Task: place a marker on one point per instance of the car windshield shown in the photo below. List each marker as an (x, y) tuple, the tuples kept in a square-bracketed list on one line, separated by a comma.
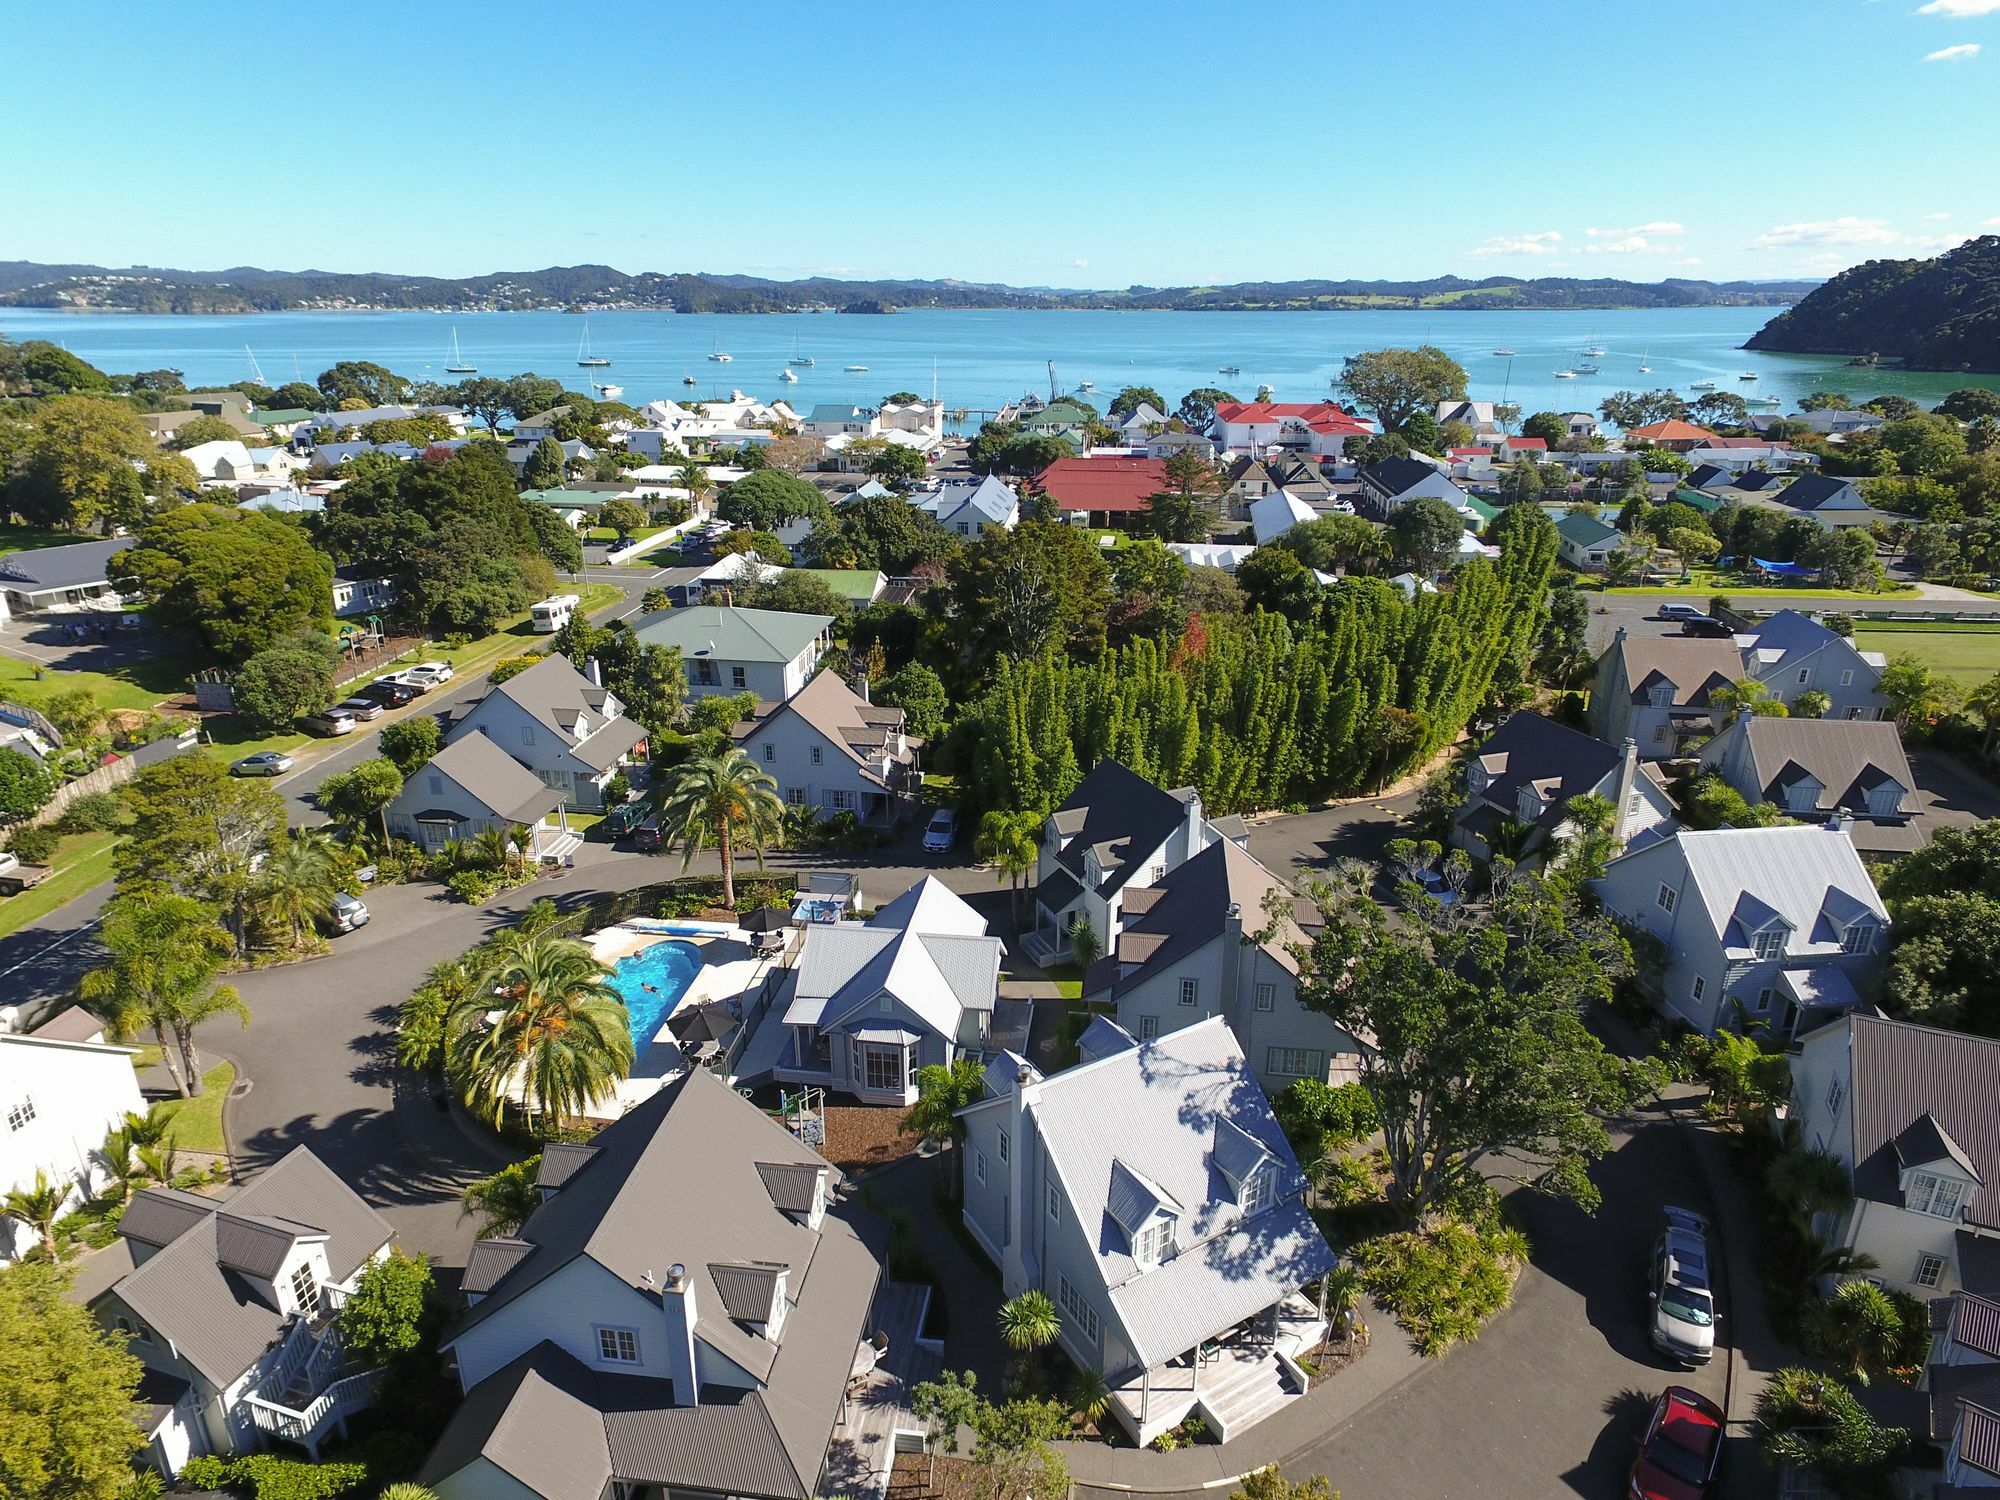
[(1670, 1457), (1688, 1306), (940, 822)]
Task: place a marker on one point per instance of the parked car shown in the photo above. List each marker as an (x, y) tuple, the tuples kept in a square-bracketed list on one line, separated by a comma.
[(1437, 887), (1702, 625), (1681, 1317), (1681, 1450), (391, 691), (331, 722), (263, 763), (623, 818), (348, 913), (365, 709), (428, 673), (1679, 612), (647, 837), (942, 831), (16, 877)]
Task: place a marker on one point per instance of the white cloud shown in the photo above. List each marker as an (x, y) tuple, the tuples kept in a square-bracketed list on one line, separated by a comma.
[(1958, 10), (1079, 263), (1846, 230), (1690, 260), (1936, 218), (1963, 52), (1548, 242), (1936, 241), (1658, 226), (1992, 223)]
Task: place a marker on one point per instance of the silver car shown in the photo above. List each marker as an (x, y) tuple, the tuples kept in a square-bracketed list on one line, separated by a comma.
[(263, 763), (348, 912)]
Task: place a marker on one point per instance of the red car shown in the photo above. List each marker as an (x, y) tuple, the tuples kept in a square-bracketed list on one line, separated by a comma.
[(1681, 1449)]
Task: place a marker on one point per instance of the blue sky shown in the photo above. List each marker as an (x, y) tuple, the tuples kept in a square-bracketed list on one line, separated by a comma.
[(1101, 146)]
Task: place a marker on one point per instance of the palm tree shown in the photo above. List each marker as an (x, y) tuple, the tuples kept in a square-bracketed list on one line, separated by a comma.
[(115, 1156), (1745, 693), (1861, 1325), (405, 1491), (1011, 843), (37, 1207), (562, 1036), (489, 848), (299, 882), (1028, 1322), (694, 479), (504, 1200), (942, 1091), (1090, 1395), (1983, 703), (1509, 840), (167, 952), (423, 1020), (160, 1164), (1809, 1183), (1823, 1260), (1084, 945), (728, 798)]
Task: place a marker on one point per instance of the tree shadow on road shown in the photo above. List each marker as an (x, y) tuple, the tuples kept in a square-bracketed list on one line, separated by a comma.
[(1604, 1471)]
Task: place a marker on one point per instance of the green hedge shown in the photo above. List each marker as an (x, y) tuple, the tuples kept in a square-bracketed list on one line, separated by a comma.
[(269, 1477)]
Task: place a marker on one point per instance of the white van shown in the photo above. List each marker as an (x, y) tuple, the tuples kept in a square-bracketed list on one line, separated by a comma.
[(552, 614)]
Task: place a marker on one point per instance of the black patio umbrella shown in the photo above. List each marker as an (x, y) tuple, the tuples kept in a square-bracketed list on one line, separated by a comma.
[(765, 919)]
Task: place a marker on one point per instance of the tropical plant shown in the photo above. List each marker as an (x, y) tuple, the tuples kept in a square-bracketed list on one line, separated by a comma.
[(167, 952), (298, 883), (1864, 1327), (159, 1164), (1269, 1483), (38, 1207), (1090, 1395), (1809, 1183), (404, 1490), (1813, 703), (1824, 1262), (1084, 944), (1983, 703), (1916, 690), (560, 1040), (726, 798), (1028, 1321), (504, 1200), (943, 1089), (1812, 1421), (1745, 695), (1011, 843), (423, 1019)]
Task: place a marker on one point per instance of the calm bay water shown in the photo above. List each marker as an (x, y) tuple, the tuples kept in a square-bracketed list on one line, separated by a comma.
[(982, 359)]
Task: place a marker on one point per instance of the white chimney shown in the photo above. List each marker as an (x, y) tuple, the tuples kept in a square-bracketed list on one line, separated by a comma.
[(594, 672), (679, 1315), (10, 1019)]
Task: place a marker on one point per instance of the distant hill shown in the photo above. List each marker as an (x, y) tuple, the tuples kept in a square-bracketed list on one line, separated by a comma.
[(1941, 314), (243, 289)]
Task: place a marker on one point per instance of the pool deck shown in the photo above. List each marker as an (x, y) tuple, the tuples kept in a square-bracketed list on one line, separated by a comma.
[(728, 968)]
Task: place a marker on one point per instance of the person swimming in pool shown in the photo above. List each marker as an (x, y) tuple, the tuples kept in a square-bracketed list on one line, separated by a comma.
[(651, 989)]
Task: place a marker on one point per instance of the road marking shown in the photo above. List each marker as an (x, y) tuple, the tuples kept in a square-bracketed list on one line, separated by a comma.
[(37, 957)]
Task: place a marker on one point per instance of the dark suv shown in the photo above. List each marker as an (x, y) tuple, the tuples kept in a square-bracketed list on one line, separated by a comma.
[(623, 818), (394, 694), (647, 838)]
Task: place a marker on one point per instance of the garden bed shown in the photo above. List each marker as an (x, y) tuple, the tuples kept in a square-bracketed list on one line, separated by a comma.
[(864, 1136)]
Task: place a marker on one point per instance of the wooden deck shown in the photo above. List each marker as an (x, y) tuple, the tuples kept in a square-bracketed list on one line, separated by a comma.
[(863, 1450)]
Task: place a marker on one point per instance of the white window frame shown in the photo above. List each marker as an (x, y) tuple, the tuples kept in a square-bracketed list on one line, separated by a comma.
[(1267, 997), (842, 801), (1805, 676), (1769, 943), (1150, 1244), (1836, 1095), (1295, 1062), (1847, 678), (1149, 1028), (617, 1346), (1859, 937), (795, 796), (1003, 1145), (1055, 1204), (306, 1295), (1665, 897), (1080, 1313), (1928, 1191), (1930, 1271), (739, 678), (1255, 1195), (21, 1115), (1763, 1000), (818, 756), (770, 752), (979, 1165), (1699, 987), (1190, 991)]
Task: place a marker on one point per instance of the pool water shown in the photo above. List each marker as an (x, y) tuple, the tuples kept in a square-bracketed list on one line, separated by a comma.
[(669, 968)]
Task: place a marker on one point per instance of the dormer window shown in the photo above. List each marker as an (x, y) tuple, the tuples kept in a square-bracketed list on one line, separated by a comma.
[(1661, 695), (1151, 1244), (1255, 1194), (1859, 938), (1886, 800), (1928, 1193), (1528, 804), (305, 1288), (1802, 796), (1769, 943), (1477, 778)]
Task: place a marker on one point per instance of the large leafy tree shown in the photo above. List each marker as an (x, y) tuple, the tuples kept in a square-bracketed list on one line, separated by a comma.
[(163, 977), (238, 579), (1394, 384), (198, 831), (769, 499), (1197, 408), (882, 532), (1426, 532), (1040, 584), (362, 382), (297, 884), (728, 800), (558, 1039), (358, 798), (1130, 399), (66, 1403), (504, 1201), (387, 1315), (25, 784), (1470, 1032), (77, 451), (291, 677)]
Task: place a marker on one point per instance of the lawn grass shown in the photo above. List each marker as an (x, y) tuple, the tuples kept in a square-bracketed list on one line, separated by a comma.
[(197, 1123), (1966, 654), (139, 686), (82, 860), (33, 539), (1068, 980)]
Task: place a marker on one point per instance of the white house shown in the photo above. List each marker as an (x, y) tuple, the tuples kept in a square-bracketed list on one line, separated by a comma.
[(1395, 482), (1478, 415), (1528, 772), (1201, 944), (471, 787), (568, 729), (1151, 1195), (1831, 501), (356, 596), (870, 1003), (1654, 689), (228, 1306), (1816, 769), (56, 579), (1586, 543), (682, 1315), (1773, 927), (1908, 1110), (1139, 424), (1792, 653), (970, 509), (63, 1089), (830, 749), (771, 653), (1115, 833), (1274, 514), (1320, 427)]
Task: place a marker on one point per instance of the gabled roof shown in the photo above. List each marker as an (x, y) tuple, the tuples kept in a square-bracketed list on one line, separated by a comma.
[(1146, 1120), (1558, 761), (1585, 531), (1107, 484), (555, 695), (199, 1292), (857, 729), (927, 950), (1793, 873), (991, 498), (1815, 491), (1120, 814), (1848, 758), (159, 1215), (627, 1210), (1692, 664), (491, 776), (1397, 476), (74, 566), (1193, 911), (1901, 1075), (1275, 514), (725, 632), (1787, 636), (1672, 430)]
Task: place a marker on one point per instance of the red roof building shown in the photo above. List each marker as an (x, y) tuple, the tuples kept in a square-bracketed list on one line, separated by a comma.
[(1469, 453), (1104, 487), (1526, 445), (1672, 434)]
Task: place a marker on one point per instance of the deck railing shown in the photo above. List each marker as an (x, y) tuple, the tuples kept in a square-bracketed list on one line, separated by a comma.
[(306, 1426)]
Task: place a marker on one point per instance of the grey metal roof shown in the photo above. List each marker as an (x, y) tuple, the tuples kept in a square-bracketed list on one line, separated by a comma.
[(556, 695), (76, 566), (1813, 491), (562, 1160), (1193, 911), (746, 1290), (1901, 1073), (1795, 872), (698, 1142), (501, 784), (159, 1216), (727, 633), (1156, 1108), (859, 730), (1237, 1152), (926, 949), (489, 1261), (1102, 1037), (1117, 810), (215, 1316), (255, 1245), (1131, 1199)]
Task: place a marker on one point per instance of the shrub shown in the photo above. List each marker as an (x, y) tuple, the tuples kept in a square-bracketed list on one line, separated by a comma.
[(35, 845), (510, 666), (266, 1476), (472, 886), (1445, 1281), (93, 812)]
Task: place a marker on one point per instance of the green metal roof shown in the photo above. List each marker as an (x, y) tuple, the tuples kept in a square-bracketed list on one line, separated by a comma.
[(1484, 509), (856, 584), (281, 414), (568, 499), (1698, 500), (726, 633)]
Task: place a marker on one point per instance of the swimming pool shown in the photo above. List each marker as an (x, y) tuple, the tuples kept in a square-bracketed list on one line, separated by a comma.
[(669, 968)]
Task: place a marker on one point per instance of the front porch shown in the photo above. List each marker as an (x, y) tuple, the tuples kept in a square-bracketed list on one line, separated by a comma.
[(312, 1386), (1233, 1382), (875, 1418)]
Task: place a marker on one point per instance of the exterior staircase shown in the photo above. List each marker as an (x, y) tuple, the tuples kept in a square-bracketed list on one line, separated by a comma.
[(1236, 1395)]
